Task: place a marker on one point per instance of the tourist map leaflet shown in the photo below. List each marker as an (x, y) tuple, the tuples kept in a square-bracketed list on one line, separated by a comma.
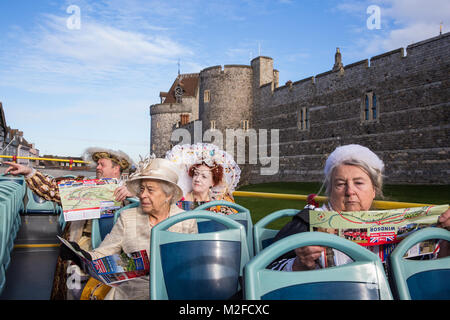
[(379, 231), (116, 268), (88, 199)]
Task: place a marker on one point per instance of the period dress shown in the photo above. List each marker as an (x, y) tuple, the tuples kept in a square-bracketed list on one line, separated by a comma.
[(131, 233)]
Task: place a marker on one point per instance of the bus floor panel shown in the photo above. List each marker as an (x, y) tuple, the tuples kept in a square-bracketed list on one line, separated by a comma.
[(38, 229), (30, 274), (33, 259)]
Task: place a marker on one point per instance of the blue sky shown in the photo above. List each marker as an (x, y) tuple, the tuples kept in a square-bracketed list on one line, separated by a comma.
[(71, 88)]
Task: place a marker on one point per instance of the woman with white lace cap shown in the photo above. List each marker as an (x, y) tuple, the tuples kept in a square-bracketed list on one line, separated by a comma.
[(353, 178), (207, 173)]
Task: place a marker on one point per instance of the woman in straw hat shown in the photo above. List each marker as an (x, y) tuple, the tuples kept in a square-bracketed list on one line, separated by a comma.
[(207, 173), (155, 184)]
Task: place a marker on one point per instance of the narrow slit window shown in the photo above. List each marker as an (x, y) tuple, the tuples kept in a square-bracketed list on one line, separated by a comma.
[(374, 107), (206, 96), (303, 119), (366, 109)]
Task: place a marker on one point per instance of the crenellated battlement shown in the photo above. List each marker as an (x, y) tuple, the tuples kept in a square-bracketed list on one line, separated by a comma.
[(226, 69), (364, 72), (169, 108), (395, 103)]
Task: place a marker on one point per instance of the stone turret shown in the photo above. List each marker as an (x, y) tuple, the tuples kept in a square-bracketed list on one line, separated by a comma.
[(226, 96)]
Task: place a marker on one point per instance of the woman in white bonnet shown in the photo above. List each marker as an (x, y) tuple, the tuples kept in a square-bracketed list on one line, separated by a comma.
[(353, 178)]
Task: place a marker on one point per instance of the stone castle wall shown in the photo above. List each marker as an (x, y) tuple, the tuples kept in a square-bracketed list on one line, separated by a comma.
[(410, 132), (163, 118)]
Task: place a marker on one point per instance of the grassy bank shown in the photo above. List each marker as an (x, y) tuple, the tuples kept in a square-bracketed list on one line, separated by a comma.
[(259, 208)]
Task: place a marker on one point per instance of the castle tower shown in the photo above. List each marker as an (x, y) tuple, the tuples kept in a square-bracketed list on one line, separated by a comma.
[(263, 74), (178, 106), (226, 97)]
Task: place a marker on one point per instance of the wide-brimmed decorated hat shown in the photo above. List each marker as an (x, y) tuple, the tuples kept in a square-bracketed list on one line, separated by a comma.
[(119, 157), (186, 155), (156, 169)]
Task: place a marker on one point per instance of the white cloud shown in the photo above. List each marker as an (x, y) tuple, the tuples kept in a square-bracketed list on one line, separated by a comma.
[(99, 81), (102, 44), (413, 11), (402, 22), (414, 20), (54, 58)]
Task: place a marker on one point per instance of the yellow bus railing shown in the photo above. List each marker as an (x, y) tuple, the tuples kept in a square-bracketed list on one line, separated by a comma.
[(70, 161), (378, 204), (46, 159)]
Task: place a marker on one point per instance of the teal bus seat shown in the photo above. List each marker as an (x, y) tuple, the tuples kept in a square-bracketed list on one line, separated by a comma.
[(362, 279), (17, 186), (15, 191), (11, 194), (9, 215), (61, 220), (36, 204), (133, 203), (20, 180), (421, 279), (10, 222), (71, 176), (200, 266), (242, 216), (4, 250), (101, 227), (262, 236)]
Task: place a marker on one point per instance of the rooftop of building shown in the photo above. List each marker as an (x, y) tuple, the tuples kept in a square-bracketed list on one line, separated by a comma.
[(187, 81)]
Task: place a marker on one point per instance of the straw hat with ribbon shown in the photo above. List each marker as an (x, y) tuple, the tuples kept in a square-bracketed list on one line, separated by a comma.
[(156, 169)]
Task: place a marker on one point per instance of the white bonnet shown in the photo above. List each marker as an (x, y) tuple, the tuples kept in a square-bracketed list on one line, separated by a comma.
[(353, 152)]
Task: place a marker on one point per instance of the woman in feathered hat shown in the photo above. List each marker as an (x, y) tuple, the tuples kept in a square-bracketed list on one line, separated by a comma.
[(208, 174)]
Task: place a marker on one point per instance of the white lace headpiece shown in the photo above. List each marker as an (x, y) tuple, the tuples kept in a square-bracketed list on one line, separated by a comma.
[(187, 155)]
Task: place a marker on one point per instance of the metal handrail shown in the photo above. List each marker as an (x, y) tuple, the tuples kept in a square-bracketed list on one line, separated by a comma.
[(378, 204)]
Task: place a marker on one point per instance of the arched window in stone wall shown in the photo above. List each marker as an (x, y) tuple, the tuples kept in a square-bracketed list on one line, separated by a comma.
[(370, 107)]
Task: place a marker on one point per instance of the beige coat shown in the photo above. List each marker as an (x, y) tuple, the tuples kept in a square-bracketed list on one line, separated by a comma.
[(132, 233)]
